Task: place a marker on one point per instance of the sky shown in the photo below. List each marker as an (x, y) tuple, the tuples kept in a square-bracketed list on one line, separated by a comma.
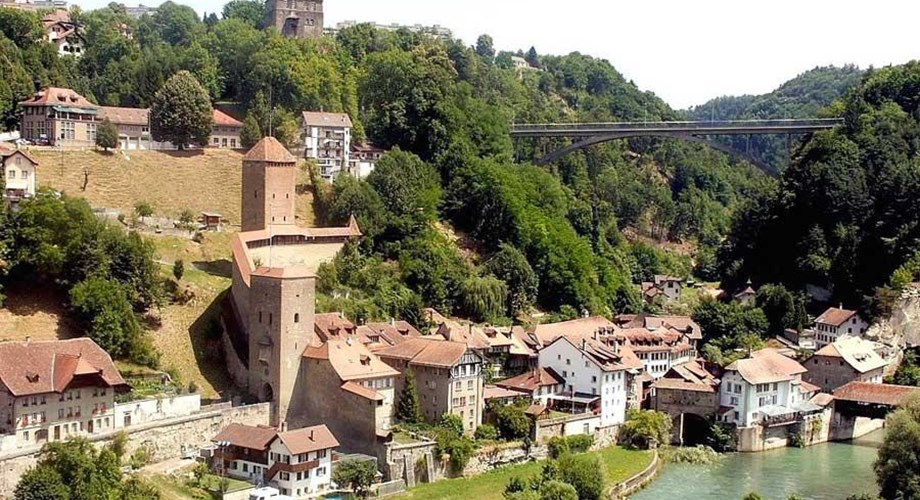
[(685, 51)]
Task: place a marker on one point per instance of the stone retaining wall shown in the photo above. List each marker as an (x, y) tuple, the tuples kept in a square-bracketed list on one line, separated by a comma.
[(164, 439), (638, 481)]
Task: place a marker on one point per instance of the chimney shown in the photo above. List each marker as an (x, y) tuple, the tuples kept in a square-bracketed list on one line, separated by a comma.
[(597, 334), (392, 321), (283, 427), (311, 435), (585, 313), (584, 344)]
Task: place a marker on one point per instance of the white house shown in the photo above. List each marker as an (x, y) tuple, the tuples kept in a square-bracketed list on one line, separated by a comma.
[(327, 139), (597, 377), (837, 322), (662, 287), (19, 171), (298, 463), (765, 387)]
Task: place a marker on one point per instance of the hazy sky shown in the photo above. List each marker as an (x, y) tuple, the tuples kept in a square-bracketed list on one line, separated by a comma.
[(683, 50)]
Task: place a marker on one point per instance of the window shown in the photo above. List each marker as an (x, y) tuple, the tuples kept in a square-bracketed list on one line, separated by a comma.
[(61, 413), (296, 317), (11, 174), (469, 385), (285, 476), (321, 472), (245, 467), (568, 361)]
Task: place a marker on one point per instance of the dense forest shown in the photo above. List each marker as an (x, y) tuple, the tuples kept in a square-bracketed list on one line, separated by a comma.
[(456, 217), (805, 96)]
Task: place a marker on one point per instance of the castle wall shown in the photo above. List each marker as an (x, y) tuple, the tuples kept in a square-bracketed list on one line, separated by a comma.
[(303, 20)]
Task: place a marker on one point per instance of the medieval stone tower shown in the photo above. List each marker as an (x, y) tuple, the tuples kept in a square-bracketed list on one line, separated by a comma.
[(296, 18), (268, 186), (274, 281)]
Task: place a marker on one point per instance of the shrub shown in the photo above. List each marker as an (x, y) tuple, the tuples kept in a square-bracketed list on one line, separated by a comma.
[(143, 209), (584, 472), (486, 432), (561, 445), (192, 387), (178, 269), (452, 423), (511, 421), (643, 427)]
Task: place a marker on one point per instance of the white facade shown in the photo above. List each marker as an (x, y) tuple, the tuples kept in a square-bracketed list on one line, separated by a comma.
[(38, 419), (19, 176), (585, 377), (149, 410), (746, 401), (658, 363), (828, 333), (670, 287), (312, 481), (330, 146)]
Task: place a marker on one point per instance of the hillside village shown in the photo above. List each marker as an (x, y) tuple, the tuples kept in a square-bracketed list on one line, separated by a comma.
[(234, 311)]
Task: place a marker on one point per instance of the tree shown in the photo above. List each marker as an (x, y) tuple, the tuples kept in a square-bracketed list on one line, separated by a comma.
[(72, 470), (102, 305), (532, 58), (409, 188), (181, 112), (584, 472), (511, 420), (107, 135), (407, 409), (753, 496), (484, 48), (452, 423), (358, 475), (511, 266), (486, 432), (557, 490), (782, 308), (41, 483), (897, 467), (251, 133), (178, 269), (643, 427), (143, 209), (252, 12), (483, 297)]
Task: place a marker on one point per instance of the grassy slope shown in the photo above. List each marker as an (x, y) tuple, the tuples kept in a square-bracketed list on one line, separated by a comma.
[(619, 464)]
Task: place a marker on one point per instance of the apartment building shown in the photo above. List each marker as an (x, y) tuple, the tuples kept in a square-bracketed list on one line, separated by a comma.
[(327, 139), (53, 390), (837, 322), (764, 388)]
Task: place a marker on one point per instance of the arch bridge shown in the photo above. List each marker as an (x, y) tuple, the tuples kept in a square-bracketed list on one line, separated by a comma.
[(589, 134)]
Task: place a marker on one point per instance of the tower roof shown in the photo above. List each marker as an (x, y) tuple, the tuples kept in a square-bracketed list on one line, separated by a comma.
[(270, 150)]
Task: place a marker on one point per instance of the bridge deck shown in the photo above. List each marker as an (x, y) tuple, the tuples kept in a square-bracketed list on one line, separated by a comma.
[(726, 127)]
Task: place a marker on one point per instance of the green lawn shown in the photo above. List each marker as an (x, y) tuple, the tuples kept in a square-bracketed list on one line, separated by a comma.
[(173, 488), (619, 463)]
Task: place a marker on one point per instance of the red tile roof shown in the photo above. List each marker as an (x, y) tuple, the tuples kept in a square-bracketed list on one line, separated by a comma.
[(125, 116), (247, 436), (532, 380), (360, 390), (56, 96), (682, 385), (6, 153), (332, 325), (427, 352), (882, 394), (269, 150), (28, 368), (308, 439), (496, 392), (221, 118), (577, 327), (350, 359), (835, 316)]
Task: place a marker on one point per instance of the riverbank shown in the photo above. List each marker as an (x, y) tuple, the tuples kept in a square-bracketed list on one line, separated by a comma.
[(620, 464), (828, 471)]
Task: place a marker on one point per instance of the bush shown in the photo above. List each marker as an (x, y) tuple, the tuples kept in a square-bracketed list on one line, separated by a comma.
[(192, 387), (511, 421), (561, 445), (178, 269), (452, 423), (358, 475), (486, 432), (143, 209), (557, 490), (584, 472), (644, 427)]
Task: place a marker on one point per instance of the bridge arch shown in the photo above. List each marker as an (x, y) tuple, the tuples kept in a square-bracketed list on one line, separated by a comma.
[(689, 429), (591, 141)]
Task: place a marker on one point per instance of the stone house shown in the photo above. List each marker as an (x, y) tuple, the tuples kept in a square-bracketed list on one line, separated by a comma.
[(327, 139), (54, 390), (848, 359), (687, 388), (298, 463), (764, 388), (19, 170), (836, 322), (295, 18), (350, 389), (449, 378)]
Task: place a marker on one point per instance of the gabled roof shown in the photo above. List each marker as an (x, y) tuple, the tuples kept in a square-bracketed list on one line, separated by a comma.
[(835, 316), (247, 436), (332, 325), (308, 439), (883, 394), (350, 359), (532, 380), (9, 153), (392, 333), (427, 352), (682, 385), (221, 118), (605, 357), (580, 327), (858, 353), (321, 119), (766, 366), (360, 390), (125, 116), (28, 368), (269, 150)]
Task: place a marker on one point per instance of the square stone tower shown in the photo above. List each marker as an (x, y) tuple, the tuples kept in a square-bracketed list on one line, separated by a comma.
[(269, 172), (296, 18)]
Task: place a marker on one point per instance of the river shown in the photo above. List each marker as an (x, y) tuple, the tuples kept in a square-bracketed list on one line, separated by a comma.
[(824, 471)]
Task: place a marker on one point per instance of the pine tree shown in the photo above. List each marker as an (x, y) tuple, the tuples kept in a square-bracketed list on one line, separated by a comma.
[(407, 410)]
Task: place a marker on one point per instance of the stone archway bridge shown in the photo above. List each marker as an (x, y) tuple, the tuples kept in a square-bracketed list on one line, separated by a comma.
[(589, 134)]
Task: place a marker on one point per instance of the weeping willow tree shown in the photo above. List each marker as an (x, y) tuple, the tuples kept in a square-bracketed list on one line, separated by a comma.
[(483, 297)]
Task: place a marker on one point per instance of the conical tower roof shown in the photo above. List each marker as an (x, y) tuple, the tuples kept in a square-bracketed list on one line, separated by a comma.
[(270, 150)]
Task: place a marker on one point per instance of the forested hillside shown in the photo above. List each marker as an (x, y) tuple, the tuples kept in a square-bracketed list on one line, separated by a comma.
[(456, 217), (805, 96), (844, 216)]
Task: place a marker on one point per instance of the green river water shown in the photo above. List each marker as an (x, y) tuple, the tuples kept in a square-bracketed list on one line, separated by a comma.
[(825, 471)]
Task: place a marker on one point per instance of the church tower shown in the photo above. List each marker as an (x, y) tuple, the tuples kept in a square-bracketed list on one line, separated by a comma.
[(296, 18), (269, 172)]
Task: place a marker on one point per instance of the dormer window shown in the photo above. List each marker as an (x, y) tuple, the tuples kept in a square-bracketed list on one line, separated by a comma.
[(365, 360)]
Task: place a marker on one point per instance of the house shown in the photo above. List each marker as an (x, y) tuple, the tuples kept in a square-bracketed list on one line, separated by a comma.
[(54, 390), (363, 159), (351, 390), (449, 377), (327, 139), (848, 359), (764, 388), (659, 348), (298, 463), (598, 378), (687, 388), (386, 334), (746, 296), (662, 288), (60, 116), (66, 34), (546, 334), (19, 170), (682, 324), (538, 384), (837, 322), (492, 344)]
